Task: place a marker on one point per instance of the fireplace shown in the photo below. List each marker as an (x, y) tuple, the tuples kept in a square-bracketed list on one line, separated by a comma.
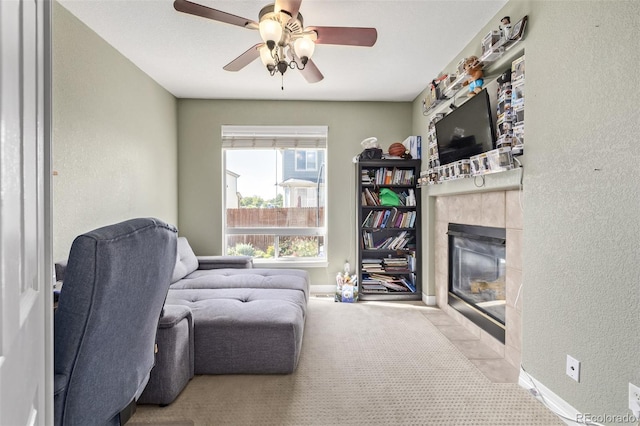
[(477, 270)]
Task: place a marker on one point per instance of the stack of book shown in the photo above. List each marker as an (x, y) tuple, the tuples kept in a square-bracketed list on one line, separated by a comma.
[(395, 264), (373, 286), (365, 177), (372, 265), (390, 283)]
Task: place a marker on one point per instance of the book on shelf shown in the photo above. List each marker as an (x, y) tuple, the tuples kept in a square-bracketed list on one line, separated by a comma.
[(389, 282), (414, 145), (397, 222), (409, 285), (365, 177), (392, 285), (396, 264), (393, 217), (410, 198), (412, 221), (385, 218), (374, 289), (411, 261), (366, 221), (401, 241), (370, 198), (388, 177), (377, 219), (384, 244), (369, 243), (372, 269)]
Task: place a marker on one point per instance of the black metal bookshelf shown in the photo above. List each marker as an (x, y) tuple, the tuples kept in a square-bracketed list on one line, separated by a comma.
[(389, 236)]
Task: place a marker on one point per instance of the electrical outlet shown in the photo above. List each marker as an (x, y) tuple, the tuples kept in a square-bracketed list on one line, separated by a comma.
[(573, 368), (634, 399)]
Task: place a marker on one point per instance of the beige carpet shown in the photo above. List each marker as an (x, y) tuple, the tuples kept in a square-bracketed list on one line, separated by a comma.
[(361, 364)]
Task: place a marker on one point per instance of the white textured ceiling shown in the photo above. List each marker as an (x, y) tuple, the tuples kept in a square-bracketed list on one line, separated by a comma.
[(185, 53)]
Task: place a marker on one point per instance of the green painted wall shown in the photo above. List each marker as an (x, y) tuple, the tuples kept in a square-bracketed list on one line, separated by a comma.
[(114, 137), (582, 199), (581, 274), (200, 162)]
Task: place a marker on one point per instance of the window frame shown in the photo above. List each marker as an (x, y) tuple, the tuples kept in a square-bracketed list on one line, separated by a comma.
[(300, 138)]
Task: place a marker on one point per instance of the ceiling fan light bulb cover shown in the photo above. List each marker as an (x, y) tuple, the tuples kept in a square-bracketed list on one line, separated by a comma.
[(270, 30), (266, 57), (304, 47)]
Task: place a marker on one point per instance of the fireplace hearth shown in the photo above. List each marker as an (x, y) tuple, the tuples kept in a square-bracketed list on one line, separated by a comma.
[(477, 271)]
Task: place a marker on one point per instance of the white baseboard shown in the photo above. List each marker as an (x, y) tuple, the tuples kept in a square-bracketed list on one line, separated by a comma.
[(322, 289), (331, 289), (428, 300), (552, 401)]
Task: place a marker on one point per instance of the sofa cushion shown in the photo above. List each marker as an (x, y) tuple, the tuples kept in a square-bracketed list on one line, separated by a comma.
[(289, 279), (186, 260), (226, 261)]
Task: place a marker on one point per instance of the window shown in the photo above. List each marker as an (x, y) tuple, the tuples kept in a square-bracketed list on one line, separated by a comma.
[(306, 160), (275, 192)]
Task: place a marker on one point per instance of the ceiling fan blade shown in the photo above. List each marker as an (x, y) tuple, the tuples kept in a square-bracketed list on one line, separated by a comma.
[(217, 15), (348, 36), (245, 59), (311, 73), (291, 6)]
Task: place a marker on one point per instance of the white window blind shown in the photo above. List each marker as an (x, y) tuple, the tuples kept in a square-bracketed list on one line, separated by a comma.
[(274, 137)]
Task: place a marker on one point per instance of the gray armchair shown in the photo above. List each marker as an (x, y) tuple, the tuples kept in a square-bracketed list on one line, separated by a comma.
[(115, 285)]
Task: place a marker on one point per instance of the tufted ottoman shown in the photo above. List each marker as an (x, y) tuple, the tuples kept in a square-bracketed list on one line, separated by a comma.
[(244, 330), (245, 320)]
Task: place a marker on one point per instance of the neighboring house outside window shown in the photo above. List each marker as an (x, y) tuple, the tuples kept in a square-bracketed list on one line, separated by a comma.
[(306, 160), (275, 192)]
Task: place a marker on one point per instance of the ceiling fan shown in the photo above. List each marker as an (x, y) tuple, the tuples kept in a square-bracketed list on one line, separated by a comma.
[(286, 42)]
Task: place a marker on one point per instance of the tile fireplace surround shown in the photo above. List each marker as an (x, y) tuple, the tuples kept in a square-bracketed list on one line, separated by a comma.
[(500, 209)]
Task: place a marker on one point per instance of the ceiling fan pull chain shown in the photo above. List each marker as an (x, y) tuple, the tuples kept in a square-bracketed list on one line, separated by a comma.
[(282, 82)]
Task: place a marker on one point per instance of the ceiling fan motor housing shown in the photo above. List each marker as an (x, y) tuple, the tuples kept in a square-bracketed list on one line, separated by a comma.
[(291, 26)]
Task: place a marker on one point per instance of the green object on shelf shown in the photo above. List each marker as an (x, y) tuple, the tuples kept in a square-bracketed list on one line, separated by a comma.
[(389, 198)]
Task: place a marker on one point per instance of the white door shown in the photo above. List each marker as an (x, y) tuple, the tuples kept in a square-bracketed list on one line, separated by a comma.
[(26, 384)]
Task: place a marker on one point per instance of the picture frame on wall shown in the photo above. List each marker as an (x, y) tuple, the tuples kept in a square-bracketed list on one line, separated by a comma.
[(518, 29)]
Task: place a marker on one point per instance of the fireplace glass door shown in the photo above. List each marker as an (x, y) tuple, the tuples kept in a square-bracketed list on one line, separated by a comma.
[(477, 268)]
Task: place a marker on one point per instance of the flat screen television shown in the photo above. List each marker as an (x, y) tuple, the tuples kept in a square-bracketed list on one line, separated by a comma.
[(467, 130)]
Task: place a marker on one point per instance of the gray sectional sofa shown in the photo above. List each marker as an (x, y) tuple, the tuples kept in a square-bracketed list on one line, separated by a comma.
[(223, 316)]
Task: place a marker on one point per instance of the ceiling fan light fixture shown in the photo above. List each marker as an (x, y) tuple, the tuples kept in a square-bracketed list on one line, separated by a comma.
[(286, 42), (271, 32), (304, 48), (266, 57)]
